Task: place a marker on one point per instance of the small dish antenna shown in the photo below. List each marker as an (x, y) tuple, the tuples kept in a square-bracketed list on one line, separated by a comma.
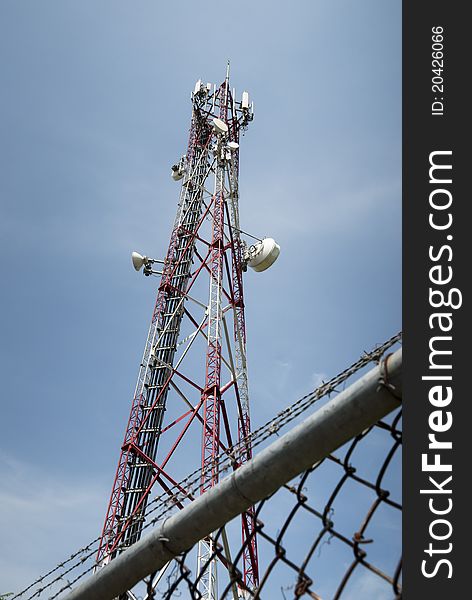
[(220, 126), (138, 260), (263, 255)]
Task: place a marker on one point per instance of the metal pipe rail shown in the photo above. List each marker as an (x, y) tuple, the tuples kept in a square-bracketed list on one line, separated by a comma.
[(355, 409)]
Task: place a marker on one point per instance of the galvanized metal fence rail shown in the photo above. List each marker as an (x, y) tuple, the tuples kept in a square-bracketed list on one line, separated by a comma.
[(293, 564)]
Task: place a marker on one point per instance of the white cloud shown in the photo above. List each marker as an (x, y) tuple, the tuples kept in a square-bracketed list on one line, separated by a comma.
[(44, 519), (317, 379)]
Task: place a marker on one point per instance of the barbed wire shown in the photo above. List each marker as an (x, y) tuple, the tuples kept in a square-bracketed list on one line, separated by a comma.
[(308, 576), (56, 568), (165, 503)]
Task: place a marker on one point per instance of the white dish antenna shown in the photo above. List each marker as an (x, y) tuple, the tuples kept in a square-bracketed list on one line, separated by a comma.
[(138, 260), (176, 173), (220, 126), (233, 145), (263, 255)]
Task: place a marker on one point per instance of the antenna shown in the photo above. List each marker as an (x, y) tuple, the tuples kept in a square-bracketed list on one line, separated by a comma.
[(185, 416)]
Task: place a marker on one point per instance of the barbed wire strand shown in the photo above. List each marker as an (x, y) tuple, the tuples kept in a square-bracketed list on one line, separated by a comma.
[(163, 503), (356, 541)]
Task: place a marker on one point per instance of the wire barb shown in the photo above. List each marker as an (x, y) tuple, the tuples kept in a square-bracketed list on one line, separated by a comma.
[(305, 503)]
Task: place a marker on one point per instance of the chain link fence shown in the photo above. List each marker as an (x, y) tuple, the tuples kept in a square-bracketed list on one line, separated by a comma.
[(341, 544), (334, 532)]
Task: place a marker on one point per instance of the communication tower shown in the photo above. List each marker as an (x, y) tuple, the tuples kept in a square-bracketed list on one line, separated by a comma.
[(191, 405)]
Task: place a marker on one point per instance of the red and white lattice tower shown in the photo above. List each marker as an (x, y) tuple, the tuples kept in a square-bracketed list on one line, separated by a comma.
[(191, 403)]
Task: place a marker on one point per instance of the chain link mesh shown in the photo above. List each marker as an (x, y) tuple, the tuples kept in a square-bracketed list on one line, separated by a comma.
[(346, 545), (293, 564)]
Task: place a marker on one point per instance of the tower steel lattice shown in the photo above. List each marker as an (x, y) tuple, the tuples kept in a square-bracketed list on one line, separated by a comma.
[(191, 400)]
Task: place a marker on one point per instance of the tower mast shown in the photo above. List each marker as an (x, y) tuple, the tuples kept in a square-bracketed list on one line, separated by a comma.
[(199, 314)]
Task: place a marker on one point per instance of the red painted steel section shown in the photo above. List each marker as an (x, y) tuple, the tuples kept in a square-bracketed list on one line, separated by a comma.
[(222, 260)]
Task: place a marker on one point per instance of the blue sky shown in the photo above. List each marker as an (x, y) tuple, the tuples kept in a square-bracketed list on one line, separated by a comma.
[(93, 111)]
